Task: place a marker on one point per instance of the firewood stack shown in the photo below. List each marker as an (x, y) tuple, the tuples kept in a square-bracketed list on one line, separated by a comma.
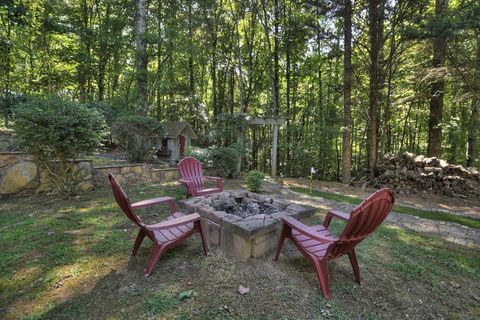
[(408, 173)]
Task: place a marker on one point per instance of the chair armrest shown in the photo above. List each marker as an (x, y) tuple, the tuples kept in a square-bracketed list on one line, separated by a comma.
[(153, 202), (174, 222), (306, 230), (336, 214), (212, 178), (219, 181)]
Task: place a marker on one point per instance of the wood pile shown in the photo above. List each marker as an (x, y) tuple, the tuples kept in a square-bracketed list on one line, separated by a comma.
[(409, 173)]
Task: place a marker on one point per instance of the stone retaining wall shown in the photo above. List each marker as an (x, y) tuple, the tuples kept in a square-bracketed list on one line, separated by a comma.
[(134, 173), (22, 174)]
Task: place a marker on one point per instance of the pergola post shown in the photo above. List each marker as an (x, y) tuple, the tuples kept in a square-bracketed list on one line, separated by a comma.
[(276, 122), (274, 151)]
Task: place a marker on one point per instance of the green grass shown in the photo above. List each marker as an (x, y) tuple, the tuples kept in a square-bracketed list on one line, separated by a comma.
[(440, 216), (71, 259)]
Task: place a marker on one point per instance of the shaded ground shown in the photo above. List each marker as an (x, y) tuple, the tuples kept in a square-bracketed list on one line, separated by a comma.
[(70, 259), (469, 206)]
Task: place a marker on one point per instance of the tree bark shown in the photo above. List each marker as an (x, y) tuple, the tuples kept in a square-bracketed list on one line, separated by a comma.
[(474, 117), (375, 22), (437, 88), (347, 93), (141, 55)]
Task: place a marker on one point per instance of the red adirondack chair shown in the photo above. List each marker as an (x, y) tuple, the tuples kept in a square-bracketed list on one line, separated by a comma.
[(319, 245), (168, 233), (192, 177)]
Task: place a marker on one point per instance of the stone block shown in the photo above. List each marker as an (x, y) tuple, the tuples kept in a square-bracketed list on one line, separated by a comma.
[(234, 245), (8, 160), (18, 177), (124, 170), (264, 244), (212, 231), (136, 169), (86, 186), (281, 204), (278, 215), (229, 220), (238, 193)]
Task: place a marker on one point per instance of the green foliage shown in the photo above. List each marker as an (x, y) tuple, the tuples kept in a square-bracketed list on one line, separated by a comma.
[(254, 180), (222, 161), (201, 154), (137, 135), (160, 304), (225, 160), (228, 126), (57, 131)]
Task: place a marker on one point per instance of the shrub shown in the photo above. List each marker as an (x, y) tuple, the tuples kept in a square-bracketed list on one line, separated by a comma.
[(254, 180), (222, 161), (137, 135), (201, 154), (225, 160), (57, 131)]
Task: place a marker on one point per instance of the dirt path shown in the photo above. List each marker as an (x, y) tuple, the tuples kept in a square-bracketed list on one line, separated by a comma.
[(452, 232), (469, 207)]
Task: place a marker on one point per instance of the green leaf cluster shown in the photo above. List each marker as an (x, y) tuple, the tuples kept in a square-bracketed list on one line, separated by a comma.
[(254, 180), (138, 135)]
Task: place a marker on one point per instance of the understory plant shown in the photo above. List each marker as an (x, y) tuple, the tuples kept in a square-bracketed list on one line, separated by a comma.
[(220, 160), (58, 131), (137, 135), (254, 180)]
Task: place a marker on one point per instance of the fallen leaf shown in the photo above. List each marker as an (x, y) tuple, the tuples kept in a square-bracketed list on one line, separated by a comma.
[(242, 290)]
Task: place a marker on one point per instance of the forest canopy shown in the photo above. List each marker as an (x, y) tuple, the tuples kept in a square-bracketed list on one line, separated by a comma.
[(355, 80)]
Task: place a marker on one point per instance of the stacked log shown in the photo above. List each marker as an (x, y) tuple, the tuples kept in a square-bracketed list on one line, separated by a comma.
[(409, 173)]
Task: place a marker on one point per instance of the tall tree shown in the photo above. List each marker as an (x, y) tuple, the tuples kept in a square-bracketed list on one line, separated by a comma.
[(347, 92), (141, 54), (437, 88), (375, 12)]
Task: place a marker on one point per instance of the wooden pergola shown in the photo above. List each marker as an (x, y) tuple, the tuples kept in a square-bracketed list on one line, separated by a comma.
[(276, 122)]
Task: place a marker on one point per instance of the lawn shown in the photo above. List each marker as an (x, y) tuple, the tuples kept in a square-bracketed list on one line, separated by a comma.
[(70, 259)]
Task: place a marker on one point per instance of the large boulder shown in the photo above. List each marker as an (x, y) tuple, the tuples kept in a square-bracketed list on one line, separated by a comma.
[(17, 177)]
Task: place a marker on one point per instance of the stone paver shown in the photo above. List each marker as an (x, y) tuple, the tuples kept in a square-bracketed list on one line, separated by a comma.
[(449, 231)]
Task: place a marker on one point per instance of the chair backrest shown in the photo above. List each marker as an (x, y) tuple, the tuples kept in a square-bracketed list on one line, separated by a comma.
[(122, 200), (191, 169), (364, 219)]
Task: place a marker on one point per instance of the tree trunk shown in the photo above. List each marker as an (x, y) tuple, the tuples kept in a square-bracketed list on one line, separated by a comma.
[(191, 70), (347, 93), (159, 61), (375, 17), (141, 55), (437, 88), (475, 109)]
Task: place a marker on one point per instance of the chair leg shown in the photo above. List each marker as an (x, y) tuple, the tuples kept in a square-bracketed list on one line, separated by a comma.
[(141, 235), (204, 238), (157, 251), (285, 233), (322, 273), (354, 262)]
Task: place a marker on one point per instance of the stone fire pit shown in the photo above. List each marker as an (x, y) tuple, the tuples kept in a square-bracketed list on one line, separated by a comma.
[(243, 224)]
